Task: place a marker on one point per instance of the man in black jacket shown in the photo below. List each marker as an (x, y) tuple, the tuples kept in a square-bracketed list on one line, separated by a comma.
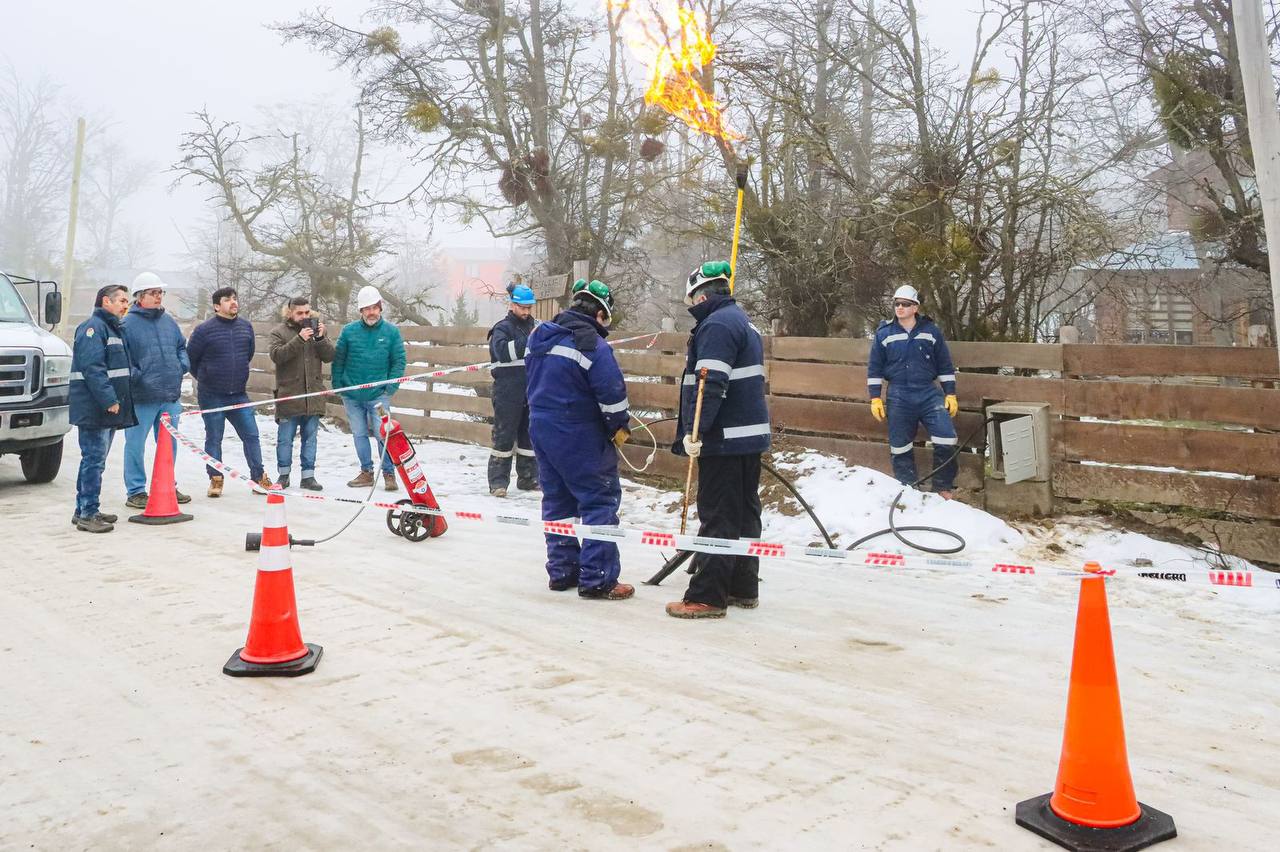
[(221, 349), (100, 399), (507, 341)]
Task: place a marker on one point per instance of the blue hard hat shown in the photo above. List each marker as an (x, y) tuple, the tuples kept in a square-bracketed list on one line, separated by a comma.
[(522, 295)]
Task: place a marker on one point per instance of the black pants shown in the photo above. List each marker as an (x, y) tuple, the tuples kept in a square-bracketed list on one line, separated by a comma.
[(728, 507), (511, 438)]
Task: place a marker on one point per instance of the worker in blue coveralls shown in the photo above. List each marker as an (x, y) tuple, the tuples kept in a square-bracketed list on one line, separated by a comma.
[(910, 353), (507, 341), (732, 434), (578, 414)]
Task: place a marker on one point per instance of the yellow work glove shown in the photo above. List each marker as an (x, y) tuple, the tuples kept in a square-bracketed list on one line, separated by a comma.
[(877, 409), (620, 437), (952, 404)]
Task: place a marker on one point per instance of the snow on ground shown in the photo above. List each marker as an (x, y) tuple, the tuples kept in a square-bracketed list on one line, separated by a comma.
[(460, 704)]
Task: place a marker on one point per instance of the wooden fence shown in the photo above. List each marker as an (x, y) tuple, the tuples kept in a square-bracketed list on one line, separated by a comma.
[(1180, 436)]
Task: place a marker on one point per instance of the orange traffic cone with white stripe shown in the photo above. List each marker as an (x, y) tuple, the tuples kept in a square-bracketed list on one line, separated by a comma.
[(162, 500), (274, 647), (1093, 806)]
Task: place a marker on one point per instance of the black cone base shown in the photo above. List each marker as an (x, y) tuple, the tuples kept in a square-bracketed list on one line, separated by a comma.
[(159, 520), (1151, 828), (237, 667)]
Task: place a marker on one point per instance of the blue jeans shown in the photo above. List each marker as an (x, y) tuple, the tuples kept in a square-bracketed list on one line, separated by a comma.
[(135, 441), (287, 428), (908, 408), (242, 421), (94, 446), (364, 422)]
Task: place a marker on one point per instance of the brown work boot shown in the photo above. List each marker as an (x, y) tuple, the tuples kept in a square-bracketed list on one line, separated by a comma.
[(689, 609), (389, 482), (364, 480), (619, 592), (744, 603), (215, 486), (264, 483)]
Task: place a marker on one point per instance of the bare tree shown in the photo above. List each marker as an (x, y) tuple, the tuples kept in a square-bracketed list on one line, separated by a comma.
[(35, 161), (111, 178), (287, 213), (1181, 57), (518, 122)]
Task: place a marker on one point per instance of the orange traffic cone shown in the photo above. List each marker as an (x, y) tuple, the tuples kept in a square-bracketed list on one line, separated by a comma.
[(162, 501), (274, 647), (1093, 806)]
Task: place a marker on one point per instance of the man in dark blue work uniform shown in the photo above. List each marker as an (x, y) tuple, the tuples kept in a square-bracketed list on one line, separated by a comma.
[(911, 354), (578, 415), (101, 399), (733, 432), (507, 341)]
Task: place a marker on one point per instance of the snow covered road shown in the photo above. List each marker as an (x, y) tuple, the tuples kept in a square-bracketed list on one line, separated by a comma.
[(460, 704)]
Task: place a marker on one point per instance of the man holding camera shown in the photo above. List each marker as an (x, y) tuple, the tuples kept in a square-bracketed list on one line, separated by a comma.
[(299, 349)]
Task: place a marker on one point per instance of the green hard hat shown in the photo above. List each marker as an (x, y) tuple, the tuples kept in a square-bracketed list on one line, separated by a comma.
[(597, 290), (712, 270)]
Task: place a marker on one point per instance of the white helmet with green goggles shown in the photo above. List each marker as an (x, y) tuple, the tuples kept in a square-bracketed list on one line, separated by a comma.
[(708, 273), (596, 291)]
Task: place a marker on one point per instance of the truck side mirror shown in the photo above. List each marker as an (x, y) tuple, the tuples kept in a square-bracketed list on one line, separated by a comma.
[(53, 307)]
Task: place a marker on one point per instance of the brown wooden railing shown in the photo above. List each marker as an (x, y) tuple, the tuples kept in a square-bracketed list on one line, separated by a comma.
[(1177, 435)]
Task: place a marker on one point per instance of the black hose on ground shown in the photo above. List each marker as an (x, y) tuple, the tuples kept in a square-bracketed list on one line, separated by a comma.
[(683, 555), (897, 531), (893, 529), (831, 544)]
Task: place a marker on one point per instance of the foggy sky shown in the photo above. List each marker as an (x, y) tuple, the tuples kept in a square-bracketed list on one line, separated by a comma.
[(148, 64)]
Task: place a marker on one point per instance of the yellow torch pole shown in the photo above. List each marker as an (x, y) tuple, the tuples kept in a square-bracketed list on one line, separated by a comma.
[(741, 179)]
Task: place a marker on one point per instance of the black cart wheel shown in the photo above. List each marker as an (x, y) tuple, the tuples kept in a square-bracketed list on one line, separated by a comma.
[(415, 526), (394, 518)]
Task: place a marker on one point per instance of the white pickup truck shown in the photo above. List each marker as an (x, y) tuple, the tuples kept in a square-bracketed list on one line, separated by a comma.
[(35, 368)]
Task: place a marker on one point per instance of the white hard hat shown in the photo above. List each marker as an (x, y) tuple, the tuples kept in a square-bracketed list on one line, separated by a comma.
[(146, 281), (906, 291), (367, 296)]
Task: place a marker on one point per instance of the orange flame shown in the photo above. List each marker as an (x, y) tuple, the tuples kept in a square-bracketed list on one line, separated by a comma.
[(674, 45)]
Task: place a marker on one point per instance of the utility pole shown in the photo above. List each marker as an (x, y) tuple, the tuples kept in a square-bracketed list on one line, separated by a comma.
[(68, 259), (1264, 131)]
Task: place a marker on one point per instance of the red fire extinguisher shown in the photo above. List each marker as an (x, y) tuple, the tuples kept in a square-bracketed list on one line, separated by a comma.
[(414, 526)]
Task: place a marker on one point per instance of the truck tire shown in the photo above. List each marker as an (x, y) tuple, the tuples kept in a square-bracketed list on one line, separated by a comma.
[(41, 464)]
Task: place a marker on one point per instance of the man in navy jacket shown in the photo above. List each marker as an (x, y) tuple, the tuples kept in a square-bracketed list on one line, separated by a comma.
[(910, 352), (100, 399), (578, 415), (507, 342), (158, 352), (220, 350), (733, 433)]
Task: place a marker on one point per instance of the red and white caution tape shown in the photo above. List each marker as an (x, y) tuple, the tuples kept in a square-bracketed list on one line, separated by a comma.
[(864, 558), (435, 374)]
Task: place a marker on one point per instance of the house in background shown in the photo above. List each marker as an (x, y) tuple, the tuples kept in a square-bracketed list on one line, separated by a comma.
[(481, 274), (1174, 288)]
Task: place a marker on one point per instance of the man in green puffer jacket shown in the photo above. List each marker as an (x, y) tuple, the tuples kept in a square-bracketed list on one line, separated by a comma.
[(368, 350)]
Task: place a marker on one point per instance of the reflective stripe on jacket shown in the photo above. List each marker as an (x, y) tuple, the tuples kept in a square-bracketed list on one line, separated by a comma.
[(913, 359), (100, 374), (573, 375), (735, 416)]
